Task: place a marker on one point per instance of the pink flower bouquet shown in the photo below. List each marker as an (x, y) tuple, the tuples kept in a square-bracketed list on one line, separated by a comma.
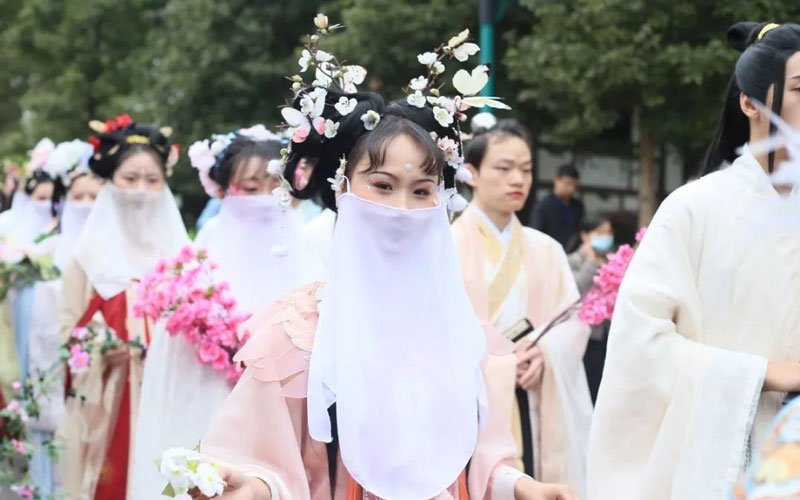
[(184, 294), (598, 304)]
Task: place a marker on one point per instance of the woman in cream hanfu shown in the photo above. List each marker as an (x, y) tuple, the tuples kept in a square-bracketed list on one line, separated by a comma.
[(257, 245), (134, 223), (69, 167), (372, 384), (513, 273), (704, 341)]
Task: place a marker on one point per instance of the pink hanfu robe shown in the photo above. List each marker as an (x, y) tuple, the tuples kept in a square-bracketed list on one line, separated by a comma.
[(262, 427)]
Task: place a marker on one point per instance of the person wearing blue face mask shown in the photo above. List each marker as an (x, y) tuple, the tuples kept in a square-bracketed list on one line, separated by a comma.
[(597, 240)]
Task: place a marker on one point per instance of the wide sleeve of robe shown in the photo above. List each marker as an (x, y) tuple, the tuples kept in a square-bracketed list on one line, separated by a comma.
[(565, 405), (75, 295), (261, 428), (673, 414)]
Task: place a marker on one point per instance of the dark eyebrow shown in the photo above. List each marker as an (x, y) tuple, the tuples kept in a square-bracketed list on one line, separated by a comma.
[(425, 180), (795, 77), (382, 172)]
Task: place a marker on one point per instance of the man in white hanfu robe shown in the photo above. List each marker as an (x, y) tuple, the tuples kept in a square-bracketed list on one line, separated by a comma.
[(514, 273), (710, 298)]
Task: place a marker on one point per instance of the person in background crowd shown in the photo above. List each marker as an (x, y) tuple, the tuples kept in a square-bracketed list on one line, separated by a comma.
[(512, 274), (597, 240), (560, 213)]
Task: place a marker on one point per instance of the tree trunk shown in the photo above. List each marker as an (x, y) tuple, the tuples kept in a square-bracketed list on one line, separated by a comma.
[(647, 176)]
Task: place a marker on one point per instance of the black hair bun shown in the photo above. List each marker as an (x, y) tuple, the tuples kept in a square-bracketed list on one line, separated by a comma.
[(742, 34), (423, 117), (242, 147), (120, 135), (36, 178), (325, 152)]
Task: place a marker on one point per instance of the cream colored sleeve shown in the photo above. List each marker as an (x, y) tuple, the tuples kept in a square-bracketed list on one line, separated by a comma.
[(74, 297)]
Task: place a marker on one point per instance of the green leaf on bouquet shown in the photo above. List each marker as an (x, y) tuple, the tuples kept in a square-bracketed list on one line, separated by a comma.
[(168, 491)]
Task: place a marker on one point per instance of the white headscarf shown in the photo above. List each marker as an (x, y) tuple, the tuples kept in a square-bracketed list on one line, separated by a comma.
[(27, 220), (73, 218), (398, 349), (240, 239), (127, 232)]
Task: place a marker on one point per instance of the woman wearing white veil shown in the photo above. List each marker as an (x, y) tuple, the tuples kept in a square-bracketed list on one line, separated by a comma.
[(134, 223), (257, 245), (68, 166)]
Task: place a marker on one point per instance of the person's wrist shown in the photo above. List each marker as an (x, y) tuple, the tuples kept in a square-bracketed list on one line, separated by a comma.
[(261, 489), (523, 487)]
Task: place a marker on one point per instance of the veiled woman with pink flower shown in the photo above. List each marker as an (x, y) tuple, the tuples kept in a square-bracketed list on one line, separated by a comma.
[(257, 250)]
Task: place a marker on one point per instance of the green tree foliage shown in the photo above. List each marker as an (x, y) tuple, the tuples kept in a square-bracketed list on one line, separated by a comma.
[(215, 66), (72, 61), (586, 65), (572, 69), (386, 35)]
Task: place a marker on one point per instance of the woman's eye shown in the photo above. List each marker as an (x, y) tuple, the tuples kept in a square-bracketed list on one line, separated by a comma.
[(383, 186), (424, 193), (130, 179)]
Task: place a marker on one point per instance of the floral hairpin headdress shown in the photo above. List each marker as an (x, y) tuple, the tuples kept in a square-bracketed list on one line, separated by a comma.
[(120, 130), (68, 160), (208, 154), (327, 71), (39, 155), (450, 110)]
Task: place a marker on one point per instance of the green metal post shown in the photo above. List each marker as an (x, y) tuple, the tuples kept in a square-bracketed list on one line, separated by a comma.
[(486, 18)]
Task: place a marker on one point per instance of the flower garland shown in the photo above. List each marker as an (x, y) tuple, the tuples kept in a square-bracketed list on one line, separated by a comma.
[(16, 452), (184, 293), (22, 266)]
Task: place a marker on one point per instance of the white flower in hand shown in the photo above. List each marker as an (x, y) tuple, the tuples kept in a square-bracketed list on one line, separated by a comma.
[(370, 119), (345, 106), (177, 458), (441, 115), (416, 99), (427, 58), (208, 480), (418, 83), (305, 60)]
